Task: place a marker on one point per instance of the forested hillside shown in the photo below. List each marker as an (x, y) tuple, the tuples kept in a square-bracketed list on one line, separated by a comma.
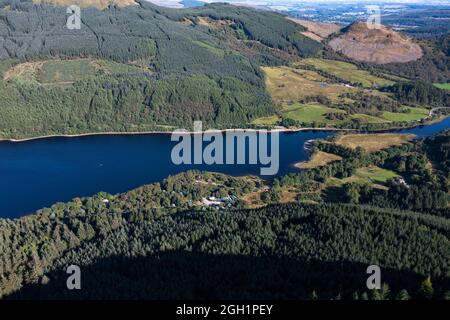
[(420, 93), (411, 176), (146, 68), (184, 69), (284, 251), (128, 33)]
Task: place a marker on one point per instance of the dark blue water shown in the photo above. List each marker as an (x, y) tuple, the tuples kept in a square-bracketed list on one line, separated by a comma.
[(35, 174), (427, 130)]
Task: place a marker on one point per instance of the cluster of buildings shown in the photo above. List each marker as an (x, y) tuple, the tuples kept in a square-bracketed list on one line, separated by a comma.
[(219, 202)]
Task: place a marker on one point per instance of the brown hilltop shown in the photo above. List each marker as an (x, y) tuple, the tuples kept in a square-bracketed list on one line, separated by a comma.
[(380, 45), (316, 30)]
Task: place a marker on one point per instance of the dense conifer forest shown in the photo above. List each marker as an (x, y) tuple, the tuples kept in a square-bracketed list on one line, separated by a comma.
[(284, 251), (159, 241)]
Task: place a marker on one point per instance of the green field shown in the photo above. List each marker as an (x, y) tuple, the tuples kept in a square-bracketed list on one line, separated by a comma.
[(315, 113), (269, 121), (366, 118), (309, 113), (368, 175), (347, 71), (445, 86), (414, 114), (375, 174)]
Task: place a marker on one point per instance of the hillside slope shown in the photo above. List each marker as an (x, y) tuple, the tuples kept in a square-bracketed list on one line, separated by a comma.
[(100, 4), (169, 67), (282, 251), (316, 30), (380, 45)]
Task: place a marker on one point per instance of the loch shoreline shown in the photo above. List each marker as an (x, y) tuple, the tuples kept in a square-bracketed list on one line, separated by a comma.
[(275, 129)]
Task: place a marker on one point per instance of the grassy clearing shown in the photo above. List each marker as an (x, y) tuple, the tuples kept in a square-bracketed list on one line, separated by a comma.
[(372, 175), (288, 84), (365, 118), (445, 86), (309, 113), (253, 199), (314, 112), (372, 142), (375, 174), (111, 67), (287, 196), (211, 48), (413, 114), (269, 121), (24, 73), (347, 71), (318, 159), (64, 72)]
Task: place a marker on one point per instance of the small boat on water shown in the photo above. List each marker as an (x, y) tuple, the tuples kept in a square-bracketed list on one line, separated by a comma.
[(308, 145)]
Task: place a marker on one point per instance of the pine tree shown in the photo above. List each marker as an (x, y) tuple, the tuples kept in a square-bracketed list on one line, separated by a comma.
[(426, 288), (314, 296), (403, 295), (381, 294)]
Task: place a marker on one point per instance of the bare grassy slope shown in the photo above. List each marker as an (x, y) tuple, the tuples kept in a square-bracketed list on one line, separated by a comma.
[(317, 30), (372, 142), (381, 45)]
